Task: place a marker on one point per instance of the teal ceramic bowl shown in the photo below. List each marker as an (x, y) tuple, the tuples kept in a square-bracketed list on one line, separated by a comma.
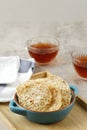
[(44, 117)]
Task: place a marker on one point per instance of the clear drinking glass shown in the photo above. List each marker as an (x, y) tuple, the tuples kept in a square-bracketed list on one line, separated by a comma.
[(43, 49), (79, 60)]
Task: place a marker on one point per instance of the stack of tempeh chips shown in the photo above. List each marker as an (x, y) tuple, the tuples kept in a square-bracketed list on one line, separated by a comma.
[(44, 94)]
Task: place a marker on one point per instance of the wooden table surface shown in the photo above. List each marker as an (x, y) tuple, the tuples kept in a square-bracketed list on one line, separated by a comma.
[(71, 37)]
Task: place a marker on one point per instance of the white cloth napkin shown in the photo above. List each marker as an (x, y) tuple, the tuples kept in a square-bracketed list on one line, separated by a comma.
[(9, 69), (7, 90)]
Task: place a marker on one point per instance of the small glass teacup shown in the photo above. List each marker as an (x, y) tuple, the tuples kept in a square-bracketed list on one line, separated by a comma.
[(79, 60)]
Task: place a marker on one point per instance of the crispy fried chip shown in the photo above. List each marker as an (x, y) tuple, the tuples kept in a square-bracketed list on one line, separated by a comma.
[(44, 94)]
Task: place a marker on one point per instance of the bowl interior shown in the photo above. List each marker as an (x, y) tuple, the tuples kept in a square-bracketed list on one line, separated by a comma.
[(73, 97)]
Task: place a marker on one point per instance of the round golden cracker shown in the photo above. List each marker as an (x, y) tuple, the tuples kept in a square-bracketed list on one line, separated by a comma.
[(64, 88), (35, 96), (44, 94), (56, 99)]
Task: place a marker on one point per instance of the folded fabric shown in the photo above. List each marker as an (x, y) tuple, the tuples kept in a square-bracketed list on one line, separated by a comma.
[(9, 67), (25, 71)]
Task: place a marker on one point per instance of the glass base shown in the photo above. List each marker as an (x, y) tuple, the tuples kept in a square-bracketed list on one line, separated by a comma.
[(83, 78)]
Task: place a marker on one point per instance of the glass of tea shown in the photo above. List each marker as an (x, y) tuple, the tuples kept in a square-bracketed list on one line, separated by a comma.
[(43, 49), (79, 60)]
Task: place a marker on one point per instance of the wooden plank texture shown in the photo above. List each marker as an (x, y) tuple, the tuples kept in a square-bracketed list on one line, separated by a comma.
[(5, 124), (76, 120)]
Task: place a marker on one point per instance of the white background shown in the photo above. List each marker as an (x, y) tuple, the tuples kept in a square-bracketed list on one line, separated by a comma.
[(43, 10)]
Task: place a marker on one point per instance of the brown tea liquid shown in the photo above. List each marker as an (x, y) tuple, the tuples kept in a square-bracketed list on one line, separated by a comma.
[(41, 52), (80, 66)]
